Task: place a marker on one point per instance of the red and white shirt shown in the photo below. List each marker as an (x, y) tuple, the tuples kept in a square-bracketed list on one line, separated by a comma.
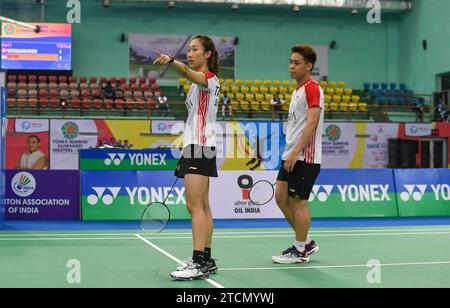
[(308, 95), (202, 104)]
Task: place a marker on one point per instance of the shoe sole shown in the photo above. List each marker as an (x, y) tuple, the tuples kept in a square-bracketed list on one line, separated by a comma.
[(297, 261), (191, 278)]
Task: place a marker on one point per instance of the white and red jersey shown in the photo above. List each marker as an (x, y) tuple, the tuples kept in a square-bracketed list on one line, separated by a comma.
[(202, 104), (308, 95)]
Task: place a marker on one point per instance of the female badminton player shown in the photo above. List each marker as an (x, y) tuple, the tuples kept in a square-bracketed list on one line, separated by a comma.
[(198, 160)]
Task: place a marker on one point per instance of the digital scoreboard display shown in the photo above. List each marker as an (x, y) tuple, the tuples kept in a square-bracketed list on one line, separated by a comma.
[(24, 49)]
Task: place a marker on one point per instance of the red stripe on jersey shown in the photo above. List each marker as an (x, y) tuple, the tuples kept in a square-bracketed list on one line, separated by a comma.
[(209, 75), (201, 118)]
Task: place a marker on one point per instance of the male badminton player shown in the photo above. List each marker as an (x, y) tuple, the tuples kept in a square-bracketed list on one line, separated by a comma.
[(198, 160), (302, 156)]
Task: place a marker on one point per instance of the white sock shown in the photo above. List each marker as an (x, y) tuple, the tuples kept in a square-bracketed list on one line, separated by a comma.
[(308, 240), (300, 245)]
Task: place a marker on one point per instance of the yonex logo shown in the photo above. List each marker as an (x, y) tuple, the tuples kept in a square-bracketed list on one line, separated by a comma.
[(322, 192), (115, 159), (417, 192), (107, 199), (411, 191)]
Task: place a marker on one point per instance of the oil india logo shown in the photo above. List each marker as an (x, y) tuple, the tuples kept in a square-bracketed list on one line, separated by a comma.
[(333, 132), (9, 29), (23, 184), (70, 130)]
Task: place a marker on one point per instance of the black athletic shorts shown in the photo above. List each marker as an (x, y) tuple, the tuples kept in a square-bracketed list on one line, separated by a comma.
[(197, 159), (301, 180)]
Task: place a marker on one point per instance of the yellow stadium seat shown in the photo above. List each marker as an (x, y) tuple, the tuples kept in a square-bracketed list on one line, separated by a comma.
[(276, 83), (269, 97), (235, 105), (186, 88), (258, 83), (333, 106), (254, 90), (245, 105), (273, 90), (264, 90), (249, 97), (352, 107), (362, 107), (295, 84), (245, 90), (326, 107), (234, 89), (225, 89), (336, 98), (291, 90), (229, 82), (239, 97), (259, 97), (323, 84), (254, 105), (221, 81), (281, 97), (332, 84), (341, 84), (355, 99), (330, 91), (348, 91), (288, 98), (327, 99), (343, 107), (183, 81), (339, 91), (231, 95), (283, 91), (346, 99), (265, 106), (285, 106), (249, 83), (239, 83), (267, 83), (286, 83)]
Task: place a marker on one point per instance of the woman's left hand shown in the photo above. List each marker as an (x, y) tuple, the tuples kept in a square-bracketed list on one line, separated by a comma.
[(162, 59)]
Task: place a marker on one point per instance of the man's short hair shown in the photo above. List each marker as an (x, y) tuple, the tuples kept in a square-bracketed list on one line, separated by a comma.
[(308, 53)]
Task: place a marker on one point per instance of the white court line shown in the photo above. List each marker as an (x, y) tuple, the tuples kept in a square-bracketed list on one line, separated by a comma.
[(300, 267), (224, 236), (222, 233), (210, 281)]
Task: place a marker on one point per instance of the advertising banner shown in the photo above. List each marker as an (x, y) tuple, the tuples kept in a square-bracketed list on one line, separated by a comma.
[(42, 195), (123, 195), (423, 192)]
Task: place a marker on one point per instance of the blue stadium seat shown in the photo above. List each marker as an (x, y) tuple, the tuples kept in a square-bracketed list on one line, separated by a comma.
[(384, 85), (366, 86), (382, 92), (375, 85), (403, 86), (393, 85), (374, 93), (381, 100)]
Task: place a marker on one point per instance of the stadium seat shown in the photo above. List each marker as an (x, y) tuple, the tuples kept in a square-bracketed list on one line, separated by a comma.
[(362, 107), (339, 91), (245, 90), (346, 99), (254, 90), (393, 86), (286, 83), (239, 97), (276, 83), (384, 85), (333, 106), (348, 91), (323, 84), (355, 99), (244, 105), (327, 99), (258, 83), (343, 107), (229, 82), (273, 90), (283, 91), (336, 98), (239, 83), (366, 86), (264, 90), (288, 98), (353, 107), (234, 89), (295, 84), (329, 91), (265, 106), (267, 83), (332, 84), (341, 85), (254, 105)]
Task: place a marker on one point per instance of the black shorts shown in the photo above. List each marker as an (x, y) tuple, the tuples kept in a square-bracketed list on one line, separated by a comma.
[(301, 180), (197, 159)]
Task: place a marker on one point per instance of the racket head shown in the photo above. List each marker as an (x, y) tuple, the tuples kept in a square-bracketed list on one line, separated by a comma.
[(155, 218), (261, 192)]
